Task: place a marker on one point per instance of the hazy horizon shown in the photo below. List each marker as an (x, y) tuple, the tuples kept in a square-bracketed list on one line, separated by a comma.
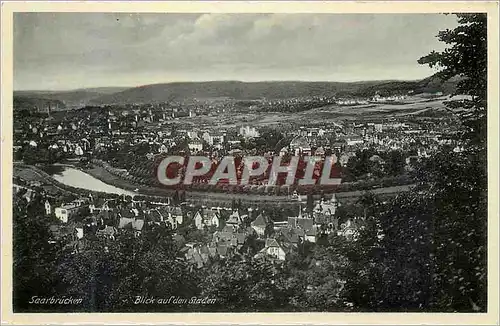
[(211, 81), (71, 51)]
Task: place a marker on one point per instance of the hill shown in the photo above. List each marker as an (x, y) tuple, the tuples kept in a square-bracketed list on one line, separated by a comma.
[(37, 103), (269, 90), (72, 98), (238, 90)]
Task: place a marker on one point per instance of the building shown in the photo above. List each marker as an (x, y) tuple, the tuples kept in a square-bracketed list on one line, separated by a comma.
[(249, 132), (324, 211), (48, 208), (195, 146), (300, 146), (65, 212), (235, 219), (260, 224), (274, 249)]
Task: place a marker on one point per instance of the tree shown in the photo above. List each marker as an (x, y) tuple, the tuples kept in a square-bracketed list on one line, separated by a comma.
[(34, 258), (395, 163), (466, 59), (459, 180), (182, 196), (245, 285), (310, 204), (367, 201), (431, 253), (176, 198), (426, 249)]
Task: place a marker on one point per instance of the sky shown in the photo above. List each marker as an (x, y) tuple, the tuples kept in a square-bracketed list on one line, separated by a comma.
[(62, 51)]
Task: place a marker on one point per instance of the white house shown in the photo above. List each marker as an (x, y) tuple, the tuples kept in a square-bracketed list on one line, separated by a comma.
[(48, 208), (198, 221), (65, 212), (195, 146), (235, 219), (249, 132), (207, 218), (259, 225), (273, 249), (192, 134)]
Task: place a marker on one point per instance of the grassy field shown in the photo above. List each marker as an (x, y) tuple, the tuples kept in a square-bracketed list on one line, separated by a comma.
[(327, 114)]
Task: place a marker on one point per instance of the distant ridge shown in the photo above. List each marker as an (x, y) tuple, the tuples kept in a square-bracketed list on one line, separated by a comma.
[(238, 90), (271, 90), (70, 98)]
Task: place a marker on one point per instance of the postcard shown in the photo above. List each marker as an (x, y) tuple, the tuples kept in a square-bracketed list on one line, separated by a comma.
[(250, 162)]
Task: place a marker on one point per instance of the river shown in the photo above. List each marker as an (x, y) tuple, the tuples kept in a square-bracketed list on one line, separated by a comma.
[(78, 179)]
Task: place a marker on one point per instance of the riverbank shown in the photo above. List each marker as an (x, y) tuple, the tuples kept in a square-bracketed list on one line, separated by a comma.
[(102, 174), (195, 197)]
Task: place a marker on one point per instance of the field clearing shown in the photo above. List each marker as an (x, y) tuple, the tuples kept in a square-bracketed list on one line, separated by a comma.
[(380, 110), (326, 114)]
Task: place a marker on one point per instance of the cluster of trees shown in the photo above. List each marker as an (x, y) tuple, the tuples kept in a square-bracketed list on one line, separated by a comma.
[(40, 154), (378, 164), (422, 251), (298, 105)]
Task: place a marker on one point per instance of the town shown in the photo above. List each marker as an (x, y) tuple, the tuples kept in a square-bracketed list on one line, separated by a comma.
[(116, 142)]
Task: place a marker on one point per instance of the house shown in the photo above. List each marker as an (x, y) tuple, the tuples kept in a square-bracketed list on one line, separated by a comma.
[(198, 255), (173, 215), (28, 195), (248, 132), (235, 219), (303, 223), (223, 250), (48, 207), (198, 221), (274, 249), (64, 232), (65, 212), (354, 140), (131, 224), (126, 213), (228, 237), (299, 145), (79, 230), (98, 204), (195, 146), (344, 158), (153, 216), (291, 236), (212, 218), (320, 151), (278, 225), (107, 217), (174, 220), (260, 224), (324, 211), (311, 235), (207, 217), (193, 255)]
